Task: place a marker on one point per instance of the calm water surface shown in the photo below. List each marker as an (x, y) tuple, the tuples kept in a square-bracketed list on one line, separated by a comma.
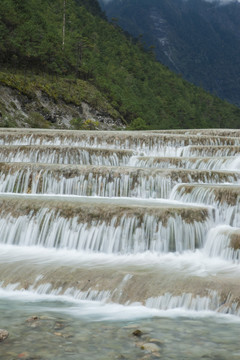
[(51, 329)]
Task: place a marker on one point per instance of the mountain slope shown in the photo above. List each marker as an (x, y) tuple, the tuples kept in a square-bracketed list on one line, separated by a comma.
[(95, 55), (199, 39)]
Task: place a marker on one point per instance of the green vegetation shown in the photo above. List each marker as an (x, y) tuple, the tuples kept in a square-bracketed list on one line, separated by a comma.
[(138, 124), (202, 39), (88, 124), (68, 89), (95, 62)]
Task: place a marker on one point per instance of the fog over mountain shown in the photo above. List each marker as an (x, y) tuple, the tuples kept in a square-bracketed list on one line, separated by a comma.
[(199, 39), (224, 2)]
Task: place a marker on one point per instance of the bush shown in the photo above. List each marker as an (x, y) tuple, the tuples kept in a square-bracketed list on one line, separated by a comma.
[(36, 120), (88, 124), (77, 123), (138, 124)]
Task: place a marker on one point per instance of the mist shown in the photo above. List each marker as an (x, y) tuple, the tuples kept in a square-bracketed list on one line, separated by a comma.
[(223, 2)]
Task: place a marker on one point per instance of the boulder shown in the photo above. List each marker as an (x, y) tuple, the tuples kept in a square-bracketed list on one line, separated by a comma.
[(3, 334)]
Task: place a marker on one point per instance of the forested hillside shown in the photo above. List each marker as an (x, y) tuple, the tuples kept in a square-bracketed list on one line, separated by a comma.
[(70, 52), (197, 38)]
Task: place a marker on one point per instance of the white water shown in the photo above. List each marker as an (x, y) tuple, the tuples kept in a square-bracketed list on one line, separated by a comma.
[(225, 198), (198, 263), (218, 241), (215, 151), (65, 156), (97, 311), (128, 234), (99, 181), (211, 163), (120, 139), (130, 244), (108, 184), (188, 302)]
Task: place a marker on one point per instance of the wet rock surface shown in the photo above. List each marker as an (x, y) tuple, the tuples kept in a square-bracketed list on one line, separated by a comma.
[(3, 334), (68, 262), (67, 338)]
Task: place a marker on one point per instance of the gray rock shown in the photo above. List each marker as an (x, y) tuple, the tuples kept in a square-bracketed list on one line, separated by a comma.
[(151, 347), (3, 334)]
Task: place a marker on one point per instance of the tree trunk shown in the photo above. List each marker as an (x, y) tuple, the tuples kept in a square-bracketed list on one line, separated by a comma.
[(64, 24)]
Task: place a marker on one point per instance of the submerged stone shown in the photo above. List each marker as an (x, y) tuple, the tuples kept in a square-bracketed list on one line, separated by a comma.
[(137, 333), (33, 318), (151, 347), (3, 334)]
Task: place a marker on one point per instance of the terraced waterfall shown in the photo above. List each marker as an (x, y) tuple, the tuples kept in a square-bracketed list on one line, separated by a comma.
[(120, 245)]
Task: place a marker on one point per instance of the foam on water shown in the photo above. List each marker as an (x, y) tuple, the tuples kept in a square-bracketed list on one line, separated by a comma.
[(198, 263), (98, 311)]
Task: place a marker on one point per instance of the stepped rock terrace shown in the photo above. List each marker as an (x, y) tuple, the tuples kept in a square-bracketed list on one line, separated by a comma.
[(144, 141), (125, 284), (64, 155), (207, 193), (225, 198), (199, 163), (101, 221), (106, 181), (201, 132), (102, 224), (215, 151), (224, 241)]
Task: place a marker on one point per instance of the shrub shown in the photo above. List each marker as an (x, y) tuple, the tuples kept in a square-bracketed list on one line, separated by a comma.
[(80, 124), (138, 124)]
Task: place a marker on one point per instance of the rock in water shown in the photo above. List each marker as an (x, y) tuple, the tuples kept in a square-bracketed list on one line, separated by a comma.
[(150, 347), (137, 333), (3, 334)]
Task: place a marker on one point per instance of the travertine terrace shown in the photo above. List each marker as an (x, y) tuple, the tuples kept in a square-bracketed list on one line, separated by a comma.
[(122, 217)]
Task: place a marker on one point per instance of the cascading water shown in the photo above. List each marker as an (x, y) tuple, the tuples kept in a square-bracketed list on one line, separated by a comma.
[(101, 180), (223, 241), (225, 198), (202, 163), (115, 228), (64, 155), (144, 223)]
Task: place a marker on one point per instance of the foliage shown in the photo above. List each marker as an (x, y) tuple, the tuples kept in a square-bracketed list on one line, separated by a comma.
[(100, 65), (7, 122), (58, 88), (80, 124), (202, 39), (138, 124), (36, 120)]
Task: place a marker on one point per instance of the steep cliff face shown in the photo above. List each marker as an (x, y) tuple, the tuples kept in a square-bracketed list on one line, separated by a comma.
[(199, 39)]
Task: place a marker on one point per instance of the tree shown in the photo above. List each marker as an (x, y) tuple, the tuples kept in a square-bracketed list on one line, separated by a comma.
[(64, 24), (138, 124)]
